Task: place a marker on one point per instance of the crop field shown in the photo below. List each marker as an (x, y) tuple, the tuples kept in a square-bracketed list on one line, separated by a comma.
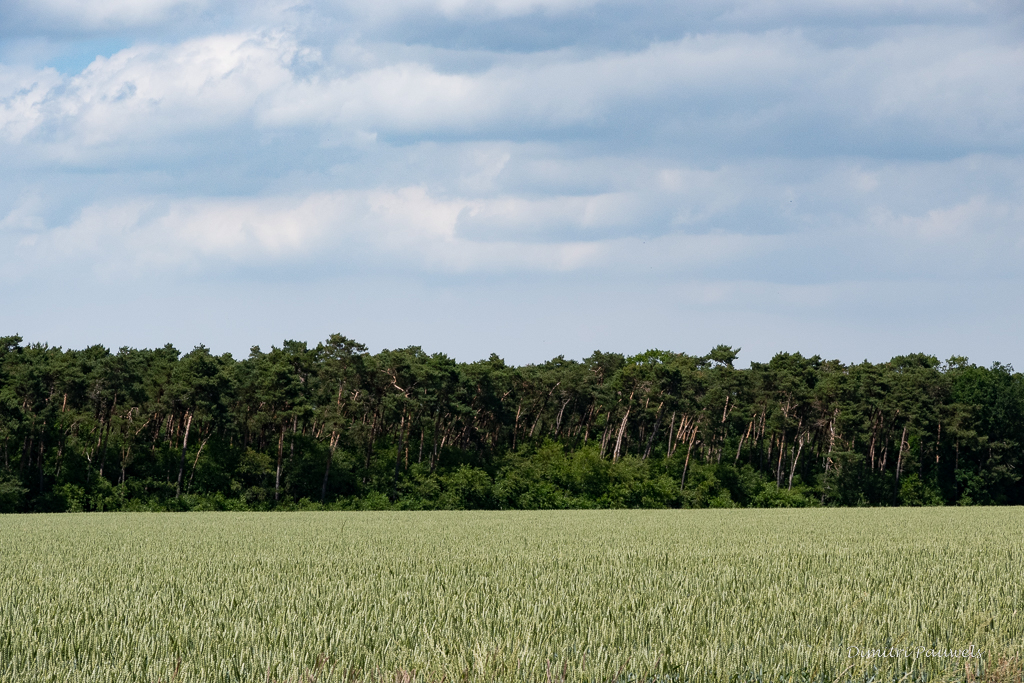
[(700, 595)]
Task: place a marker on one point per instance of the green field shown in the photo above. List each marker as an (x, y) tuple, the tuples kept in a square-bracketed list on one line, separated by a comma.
[(702, 595)]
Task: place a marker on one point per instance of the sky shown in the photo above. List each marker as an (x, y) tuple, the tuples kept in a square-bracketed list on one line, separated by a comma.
[(524, 177)]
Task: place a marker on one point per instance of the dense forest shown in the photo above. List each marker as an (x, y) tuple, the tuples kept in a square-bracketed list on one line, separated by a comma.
[(336, 427)]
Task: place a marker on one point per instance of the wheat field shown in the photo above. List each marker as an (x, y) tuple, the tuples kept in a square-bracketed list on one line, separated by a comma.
[(698, 595)]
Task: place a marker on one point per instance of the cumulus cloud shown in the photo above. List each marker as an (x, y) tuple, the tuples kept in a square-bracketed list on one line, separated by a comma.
[(150, 91), (755, 89), (350, 229), (725, 147)]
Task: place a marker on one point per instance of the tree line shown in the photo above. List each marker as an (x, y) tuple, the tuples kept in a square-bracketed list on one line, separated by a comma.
[(334, 426)]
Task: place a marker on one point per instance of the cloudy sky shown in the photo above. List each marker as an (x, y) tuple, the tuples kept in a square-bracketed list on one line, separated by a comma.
[(528, 177)]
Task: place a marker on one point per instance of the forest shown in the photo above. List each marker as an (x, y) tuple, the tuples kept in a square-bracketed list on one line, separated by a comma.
[(333, 426)]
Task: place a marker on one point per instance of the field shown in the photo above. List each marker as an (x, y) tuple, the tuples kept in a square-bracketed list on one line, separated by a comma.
[(702, 595)]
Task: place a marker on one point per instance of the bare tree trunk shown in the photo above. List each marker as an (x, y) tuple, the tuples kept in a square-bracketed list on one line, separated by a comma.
[(372, 441), (832, 431), (536, 422), (590, 420), (26, 450), (904, 445), (654, 431), (606, 434), (828, 465), (280, 455), (398, 453), (60, 459), (184, 448), (875, 430), (686, 464), (782, 452), (515, 428), (684, 425), (885, 452), (196, 462), (750, 429), (291, 447), (327, 470), (618, 439), (558, 422), (721, 439), (42, 452), (800, 446), (671, 428)]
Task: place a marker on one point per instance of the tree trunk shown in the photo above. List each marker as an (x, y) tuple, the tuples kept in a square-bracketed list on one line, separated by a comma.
[(671, 428), (778, 468), (42, 452), (654, 431), (26, 450), (536, 422), (192, 475), (799, 448), (824, 487), (558, 422), (607, 433), (515, 429), (618, 439), (904, 445), (721, 439), (60, 460), (590, 420), (875, 428), (684, 424), (686, 464), (291, 447), (280, 456), (184, 448), (398, 451), (327, 470), (743, 437)]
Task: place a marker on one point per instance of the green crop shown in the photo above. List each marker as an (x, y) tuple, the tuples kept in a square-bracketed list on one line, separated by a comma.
[(701, 595)]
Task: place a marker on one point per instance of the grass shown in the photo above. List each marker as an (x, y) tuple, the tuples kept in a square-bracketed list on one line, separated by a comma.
[(701, 595)]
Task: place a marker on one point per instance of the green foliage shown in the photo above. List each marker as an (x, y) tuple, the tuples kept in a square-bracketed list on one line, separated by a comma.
[(12, 493), (771, 496), (337, 427)]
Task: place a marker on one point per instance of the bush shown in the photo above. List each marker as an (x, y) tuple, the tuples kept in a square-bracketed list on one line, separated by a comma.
[(12, 494), (772, 496)]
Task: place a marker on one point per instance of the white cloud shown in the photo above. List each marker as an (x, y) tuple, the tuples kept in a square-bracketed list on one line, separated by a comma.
[(352, 228), (22, 94), (738, 85), (771, 156), (733, 86), (554, 90), (978, 236), (149, 91)]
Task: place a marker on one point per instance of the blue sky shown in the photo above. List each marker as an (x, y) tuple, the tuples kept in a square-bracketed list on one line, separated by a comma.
[(525, 177)]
